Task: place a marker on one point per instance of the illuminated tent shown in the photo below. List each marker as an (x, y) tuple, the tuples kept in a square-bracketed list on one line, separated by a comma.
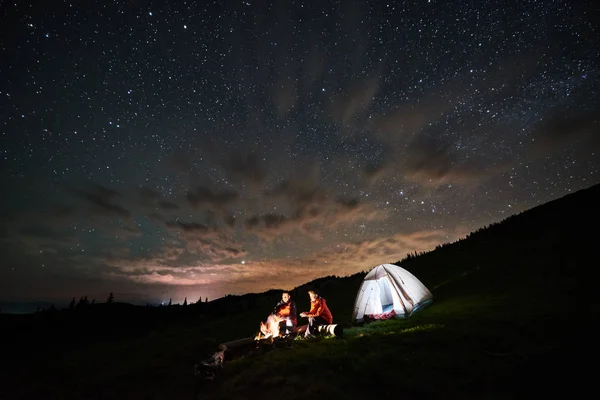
[(389, 291)]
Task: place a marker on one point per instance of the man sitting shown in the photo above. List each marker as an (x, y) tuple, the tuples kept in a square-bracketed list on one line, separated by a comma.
[(285, 310), (281, 321)]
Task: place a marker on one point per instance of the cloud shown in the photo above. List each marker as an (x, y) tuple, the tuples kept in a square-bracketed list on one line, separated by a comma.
[(39, 239), (190, 227), (342, 259), (346, 258), (564, 128), (399, 124), (148, 194), (124, 232), (155, 271), (248, 167), (61, 211), (357, 98), (168, 205), (307, 207), (432, 162), (207, 241), (203, 195), (101, 199)]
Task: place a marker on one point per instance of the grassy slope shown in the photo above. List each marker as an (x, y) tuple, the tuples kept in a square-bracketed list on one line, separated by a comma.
[(513, 314)]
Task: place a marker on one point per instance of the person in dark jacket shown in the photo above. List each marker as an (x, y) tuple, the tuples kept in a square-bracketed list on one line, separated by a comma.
[(286, 311), (282, 321), (319, 314)]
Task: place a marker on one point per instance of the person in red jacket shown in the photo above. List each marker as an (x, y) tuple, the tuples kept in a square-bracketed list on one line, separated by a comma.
[(319, 314)]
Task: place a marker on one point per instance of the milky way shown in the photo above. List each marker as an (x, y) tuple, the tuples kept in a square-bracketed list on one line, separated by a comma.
[(183, 150)]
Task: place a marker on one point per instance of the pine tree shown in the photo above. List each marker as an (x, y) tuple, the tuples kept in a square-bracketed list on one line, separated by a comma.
[(72, 305), (169, 302), (83, 302), (185, 301), (111, 298)]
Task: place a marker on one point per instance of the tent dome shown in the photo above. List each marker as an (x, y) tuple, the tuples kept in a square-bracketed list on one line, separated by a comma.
[(389, 291)]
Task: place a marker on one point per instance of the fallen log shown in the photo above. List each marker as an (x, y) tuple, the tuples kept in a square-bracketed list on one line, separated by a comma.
[(330, 330), (238, 342)]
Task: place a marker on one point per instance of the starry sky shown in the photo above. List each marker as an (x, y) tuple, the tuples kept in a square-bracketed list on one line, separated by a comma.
[(197, 149)]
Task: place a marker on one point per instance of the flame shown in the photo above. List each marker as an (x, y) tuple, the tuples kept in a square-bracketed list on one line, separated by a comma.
[(270, 328)]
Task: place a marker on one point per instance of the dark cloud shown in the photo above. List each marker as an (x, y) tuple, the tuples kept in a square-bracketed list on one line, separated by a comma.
[(180, 162), (267, 221), (190, 227), (124, 232), (431, 161), (400, 123), (62, 211), (148, 194), (248, 167), (202, 195), (348, 203), (229, 220), (168, 205), (302, 191), (101, 199), (375, 170), (356, 99), (564, 128)]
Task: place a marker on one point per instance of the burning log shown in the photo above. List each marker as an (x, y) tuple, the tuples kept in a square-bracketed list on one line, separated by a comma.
[(270, 328)]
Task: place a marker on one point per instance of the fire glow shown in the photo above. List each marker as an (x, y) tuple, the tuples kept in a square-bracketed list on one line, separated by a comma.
[(270, 329)]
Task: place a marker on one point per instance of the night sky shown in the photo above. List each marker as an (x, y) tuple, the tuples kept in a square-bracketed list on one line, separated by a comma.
[(197, 150)]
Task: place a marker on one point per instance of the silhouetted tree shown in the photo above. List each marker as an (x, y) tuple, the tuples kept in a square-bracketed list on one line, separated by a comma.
[(185, 301), (83, 301), (111, 298), (94, 301), (72, 305), (170, 302), (206, 300)]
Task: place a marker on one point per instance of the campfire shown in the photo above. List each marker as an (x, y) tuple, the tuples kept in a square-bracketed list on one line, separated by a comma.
[(270, 329)]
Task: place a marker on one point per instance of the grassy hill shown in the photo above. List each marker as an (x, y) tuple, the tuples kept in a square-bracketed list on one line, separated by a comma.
[(513, 316)]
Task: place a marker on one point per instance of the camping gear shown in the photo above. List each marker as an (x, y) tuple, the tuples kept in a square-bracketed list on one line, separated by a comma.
[(389, 291)]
